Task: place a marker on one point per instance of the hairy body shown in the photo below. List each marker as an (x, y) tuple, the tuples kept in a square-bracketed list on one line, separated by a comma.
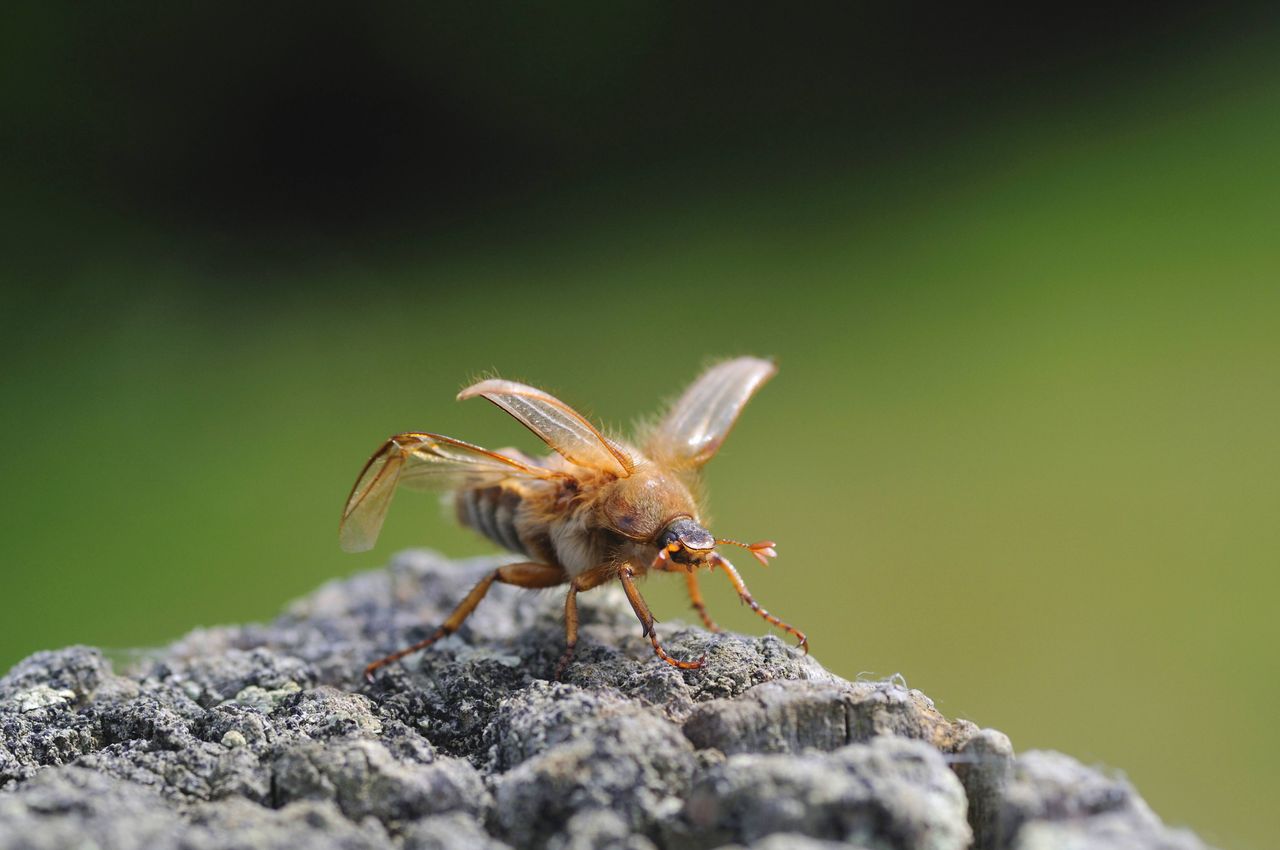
[(569, 522)]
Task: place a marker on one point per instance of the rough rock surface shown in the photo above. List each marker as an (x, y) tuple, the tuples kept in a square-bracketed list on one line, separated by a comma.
[(266, 736)]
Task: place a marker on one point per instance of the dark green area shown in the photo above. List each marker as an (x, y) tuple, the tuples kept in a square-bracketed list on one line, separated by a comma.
[(1022, 448)]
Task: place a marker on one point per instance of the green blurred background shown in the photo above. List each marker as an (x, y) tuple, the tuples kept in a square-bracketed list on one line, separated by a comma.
[(1019, 272)]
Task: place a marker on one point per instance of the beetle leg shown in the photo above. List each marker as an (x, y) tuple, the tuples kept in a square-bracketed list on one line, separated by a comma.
[(695, 596), (521, 575), (584, 581), (664, 564), (627, 576), (739, 585)]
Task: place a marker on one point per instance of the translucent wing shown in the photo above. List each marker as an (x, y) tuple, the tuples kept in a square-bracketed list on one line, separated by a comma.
[(556, 423), (694, 428), (421, 462)]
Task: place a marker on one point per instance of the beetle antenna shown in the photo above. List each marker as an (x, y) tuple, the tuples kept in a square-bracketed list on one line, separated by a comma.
[(762, 551)]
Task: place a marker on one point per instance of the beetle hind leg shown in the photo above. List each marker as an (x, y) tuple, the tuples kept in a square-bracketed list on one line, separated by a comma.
[(520, 575)]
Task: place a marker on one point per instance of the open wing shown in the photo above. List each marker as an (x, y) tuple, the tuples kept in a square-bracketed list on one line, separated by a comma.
[(556, 423), (419, 461), (693, 430)]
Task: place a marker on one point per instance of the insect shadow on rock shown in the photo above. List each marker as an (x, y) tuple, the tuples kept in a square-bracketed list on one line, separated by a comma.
[(597, 510)]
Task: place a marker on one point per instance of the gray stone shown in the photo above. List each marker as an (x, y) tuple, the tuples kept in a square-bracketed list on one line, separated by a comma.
[(795, 841), (786, 717), (365, 780), (447, 832), (545, 715), (1052, 801), (267, 736), (984, 764), (79, 669), (599, 829), (1103, 832), (70, 807), (636, 765), (891, 791)]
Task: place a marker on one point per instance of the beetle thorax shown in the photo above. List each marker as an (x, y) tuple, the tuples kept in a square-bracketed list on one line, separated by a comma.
[(640, 506)]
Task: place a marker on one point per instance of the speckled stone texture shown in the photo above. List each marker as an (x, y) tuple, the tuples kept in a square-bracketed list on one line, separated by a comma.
[(265, 736)]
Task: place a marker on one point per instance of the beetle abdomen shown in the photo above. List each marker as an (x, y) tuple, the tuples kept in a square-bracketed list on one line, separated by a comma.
[(492, 512)]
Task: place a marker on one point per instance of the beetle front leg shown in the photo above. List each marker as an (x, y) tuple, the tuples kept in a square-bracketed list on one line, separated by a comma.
[(741, 586), (627, 576)]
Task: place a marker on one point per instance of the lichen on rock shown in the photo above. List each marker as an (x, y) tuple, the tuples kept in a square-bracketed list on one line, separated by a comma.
[(265, 736)]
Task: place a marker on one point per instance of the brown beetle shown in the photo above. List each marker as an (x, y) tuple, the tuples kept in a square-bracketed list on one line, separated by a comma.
[(596, 511)]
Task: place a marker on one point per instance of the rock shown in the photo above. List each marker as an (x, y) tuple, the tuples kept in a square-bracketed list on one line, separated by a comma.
[(267, 736), (78, 669), (1103, 832), (890, 791), (365, 781), (984, 763), (446, 832), (637, 766), (795, 841), (785, 717), (599, 829), (77, 807), (1051, 801)]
